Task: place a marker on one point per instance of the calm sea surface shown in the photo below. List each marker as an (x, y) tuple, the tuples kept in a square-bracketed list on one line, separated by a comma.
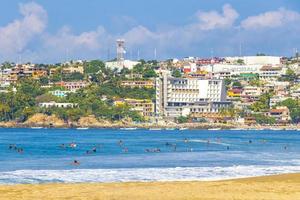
[(143, 155)]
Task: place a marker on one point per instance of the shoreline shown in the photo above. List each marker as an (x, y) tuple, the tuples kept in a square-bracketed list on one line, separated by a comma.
[(285, 186), (189, 126)]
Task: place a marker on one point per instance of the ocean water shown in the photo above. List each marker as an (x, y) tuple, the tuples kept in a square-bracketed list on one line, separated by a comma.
[(144, 155)]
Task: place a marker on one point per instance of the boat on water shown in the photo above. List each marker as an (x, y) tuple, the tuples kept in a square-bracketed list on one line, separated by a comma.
[(36, 127), (170, 129), (183, 129), (128, 129), (214, 129), (82, 128), (155, 129), (276, 129)]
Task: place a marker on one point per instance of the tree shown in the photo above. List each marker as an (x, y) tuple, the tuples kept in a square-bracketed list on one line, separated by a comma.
[(262, 119), (93, 67), (149, 73), (75, 76), (236, 84), (44, 80), (182, 119), (176, 73), (294, 108), (240, 62), (289, 76), (262, 104)]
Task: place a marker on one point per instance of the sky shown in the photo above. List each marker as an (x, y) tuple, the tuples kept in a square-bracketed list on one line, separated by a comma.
[(50, 31)]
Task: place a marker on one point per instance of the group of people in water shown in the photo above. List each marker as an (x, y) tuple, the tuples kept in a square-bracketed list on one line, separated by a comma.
[(15, 148), (120, 143)]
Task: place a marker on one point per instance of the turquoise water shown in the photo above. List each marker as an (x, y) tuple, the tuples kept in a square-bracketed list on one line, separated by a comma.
[(144, 155)]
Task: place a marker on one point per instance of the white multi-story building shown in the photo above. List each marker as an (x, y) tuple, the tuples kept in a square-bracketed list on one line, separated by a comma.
[(256, 60), (183, 96)]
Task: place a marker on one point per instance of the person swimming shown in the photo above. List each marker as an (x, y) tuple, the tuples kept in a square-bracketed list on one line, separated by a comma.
[(73, 145), (20, 150), (250, 141), (125, 150), (186, 140), (76, 162)]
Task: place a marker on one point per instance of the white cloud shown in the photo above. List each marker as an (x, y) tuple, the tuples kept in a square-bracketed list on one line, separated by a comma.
[(213, 19), (210, 29), (139, 35), (15, 36), (66, 39), (271, 19), (185, 36)]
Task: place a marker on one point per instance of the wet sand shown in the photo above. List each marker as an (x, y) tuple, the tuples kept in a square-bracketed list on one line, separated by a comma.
[(271, 187)]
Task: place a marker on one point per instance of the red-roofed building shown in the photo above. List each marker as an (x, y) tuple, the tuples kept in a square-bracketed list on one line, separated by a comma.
[(281, 114)]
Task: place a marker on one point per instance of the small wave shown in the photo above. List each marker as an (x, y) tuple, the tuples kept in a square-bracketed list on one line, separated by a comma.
[(141, 174), (210, 142)]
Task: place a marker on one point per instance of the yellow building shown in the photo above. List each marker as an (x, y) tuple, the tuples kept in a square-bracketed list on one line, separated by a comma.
[(138, 84), (144, 106)]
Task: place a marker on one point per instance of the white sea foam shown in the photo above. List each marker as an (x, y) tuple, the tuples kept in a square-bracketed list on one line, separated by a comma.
[(142, 174), (210, 142)]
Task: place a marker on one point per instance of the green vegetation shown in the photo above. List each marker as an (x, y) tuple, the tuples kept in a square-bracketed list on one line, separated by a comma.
[(176, 73), (289, 76), (96, 99), (262, 104), (294, 107), (262, 119), (182, 119)]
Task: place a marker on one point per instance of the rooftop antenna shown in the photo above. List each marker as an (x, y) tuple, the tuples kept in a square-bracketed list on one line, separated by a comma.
[(108, 54), (240, 41), (212, 60), (131, 57)]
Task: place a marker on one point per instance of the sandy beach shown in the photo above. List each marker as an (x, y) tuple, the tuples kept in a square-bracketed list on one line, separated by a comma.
[(270, 187)]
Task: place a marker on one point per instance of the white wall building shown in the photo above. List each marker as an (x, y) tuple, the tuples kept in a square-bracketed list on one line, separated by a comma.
[(182, 96), (257, 60), (129, 64), (57, 105)]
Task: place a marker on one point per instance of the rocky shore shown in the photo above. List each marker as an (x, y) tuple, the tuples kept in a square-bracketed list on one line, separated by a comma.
[(45, 121)]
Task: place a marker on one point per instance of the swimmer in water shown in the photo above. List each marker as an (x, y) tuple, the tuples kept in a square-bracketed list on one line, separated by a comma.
[(73, 145), (20, 150), (76, 162), (250, 141), (120, 143), (186, 140), (125, 150)]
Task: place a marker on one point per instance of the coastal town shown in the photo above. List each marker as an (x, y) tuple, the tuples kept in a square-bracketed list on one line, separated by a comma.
[(256, 91)]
